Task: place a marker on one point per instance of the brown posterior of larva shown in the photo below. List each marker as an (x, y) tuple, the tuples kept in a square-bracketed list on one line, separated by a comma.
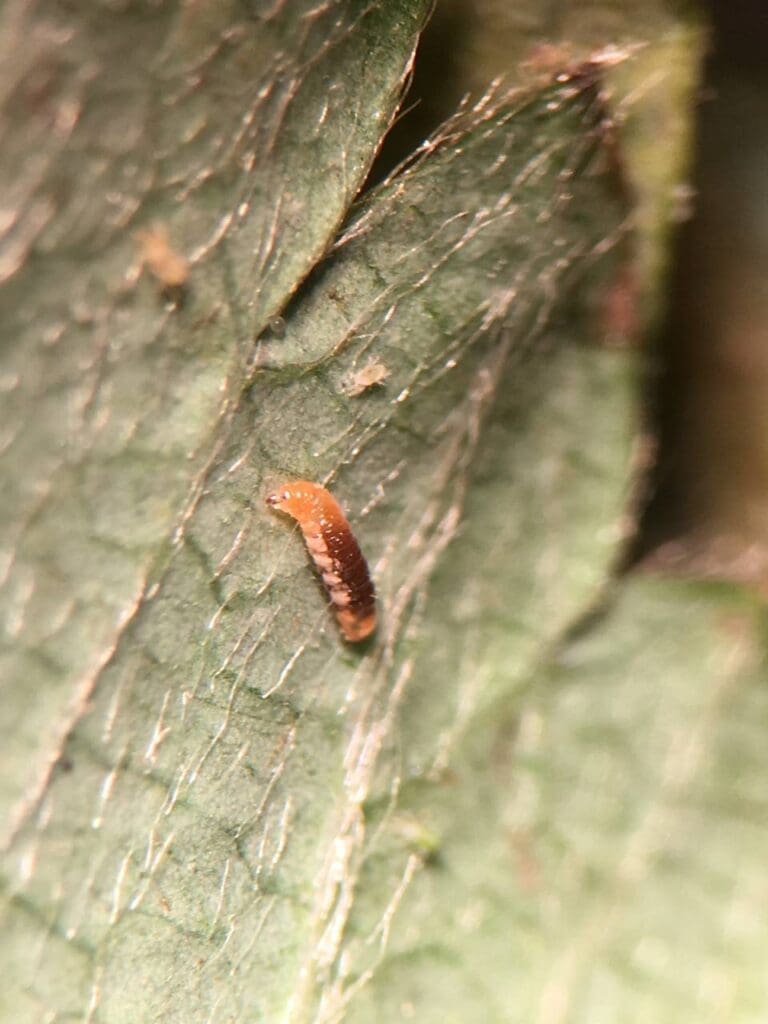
[(335, 552)]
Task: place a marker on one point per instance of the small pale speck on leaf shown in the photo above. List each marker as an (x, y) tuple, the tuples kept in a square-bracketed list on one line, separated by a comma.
[(357, 382)]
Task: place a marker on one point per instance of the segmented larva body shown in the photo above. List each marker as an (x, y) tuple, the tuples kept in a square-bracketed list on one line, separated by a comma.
[(335, 552)]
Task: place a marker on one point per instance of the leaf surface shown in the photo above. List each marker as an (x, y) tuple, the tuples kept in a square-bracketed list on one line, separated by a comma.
[(199, 852), (214, 127), (598, 852)]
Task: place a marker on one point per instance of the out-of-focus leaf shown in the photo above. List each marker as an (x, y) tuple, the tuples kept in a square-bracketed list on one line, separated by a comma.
[(198, 854), (598, 851), (241, 132), (653, 95)]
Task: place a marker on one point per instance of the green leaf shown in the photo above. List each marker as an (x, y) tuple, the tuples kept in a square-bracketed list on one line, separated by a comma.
[(219, 811), (597, 853), (222, 127), (207, 828)]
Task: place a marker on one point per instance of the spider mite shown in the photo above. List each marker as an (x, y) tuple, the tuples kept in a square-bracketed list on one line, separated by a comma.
[(371, 375), (169, 267), (335, 552)]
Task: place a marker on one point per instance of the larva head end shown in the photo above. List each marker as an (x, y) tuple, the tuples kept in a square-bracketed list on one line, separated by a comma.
[(279, 497), (293, 497)]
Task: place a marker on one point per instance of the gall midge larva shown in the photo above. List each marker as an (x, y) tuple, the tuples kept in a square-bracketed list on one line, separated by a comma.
[(335, 552)]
